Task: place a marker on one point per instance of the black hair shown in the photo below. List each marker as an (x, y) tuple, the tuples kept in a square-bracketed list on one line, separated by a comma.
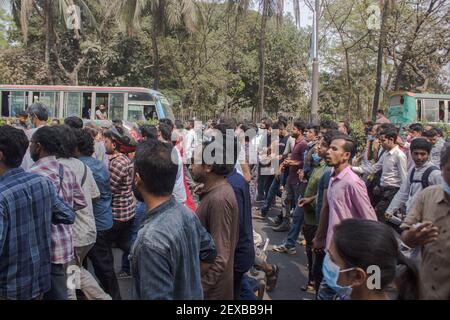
[(117, 122), (283, 119), (74, 122), (168, 122), (149, 131), (328, 137), (85, 142), (347, 126), (329, 125), (387, 127), (439, 131), (268, 122), (417, 127), (166, 131), (380, 111), (49, 140), (430, 133), (222, 168), (364, 243), (22, 114), (445, 154), (390, 134), (350, 143), (421, 144), (300, 125), (39, 110), (68, 141), (13, 144), (153, 163), (314, 127), (279, 125)]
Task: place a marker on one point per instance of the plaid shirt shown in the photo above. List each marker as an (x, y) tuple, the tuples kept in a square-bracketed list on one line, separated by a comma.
[(28, 206), (121, 181), (70, 191)]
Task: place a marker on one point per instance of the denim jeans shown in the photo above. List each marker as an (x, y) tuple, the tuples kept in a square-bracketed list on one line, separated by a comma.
[(273, 191), (247, 291), (58, 289), (290, 197), (295, 228)]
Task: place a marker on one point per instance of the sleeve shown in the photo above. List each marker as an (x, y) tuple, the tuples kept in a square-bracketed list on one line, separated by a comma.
[(221, 221), (117, 170), (79, 200), (415, 215), (92, 185), (367, 168), (61, 212), (400, 197), (3, 226), (402, 166), (436, 178), (357, 192), (207, 246), (155, 274)]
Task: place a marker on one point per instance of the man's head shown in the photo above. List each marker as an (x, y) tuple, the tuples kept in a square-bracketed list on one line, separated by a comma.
[(156, 173), (168, 122), (22, 116), (190, 124), (327, 125), (380, 113), (68, 141), (13, 145), (312, 133), (218, 158), (56, 122), (420, 151), (102, 108), (148, 132), (388, 139), (85, 141), (38, 114), (266, 124), (298, 129), (44, 143), (344, 127), (415, 130), (342, 149), (445, 163), (432, 136), (164, 133), (282, 131), (74, 122), (324, 144)]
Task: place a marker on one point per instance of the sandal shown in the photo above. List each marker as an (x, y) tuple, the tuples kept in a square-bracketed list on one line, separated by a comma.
[(272, 278)]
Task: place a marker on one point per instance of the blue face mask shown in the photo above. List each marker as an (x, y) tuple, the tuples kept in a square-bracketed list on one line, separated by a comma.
[(446, 188), (331, 272), (316, 158)]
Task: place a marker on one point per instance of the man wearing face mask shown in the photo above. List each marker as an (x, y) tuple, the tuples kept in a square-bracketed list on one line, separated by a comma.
[(427, 226), (38, 113)]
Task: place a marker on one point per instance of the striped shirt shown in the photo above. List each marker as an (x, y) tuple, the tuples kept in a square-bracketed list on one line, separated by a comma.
[(121, 182), (28, 206), (70, 191)]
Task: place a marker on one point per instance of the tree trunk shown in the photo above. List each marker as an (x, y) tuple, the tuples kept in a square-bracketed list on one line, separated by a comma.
[(381, 46), (156, 71), (349, 84), (262, 65), (48, 27)]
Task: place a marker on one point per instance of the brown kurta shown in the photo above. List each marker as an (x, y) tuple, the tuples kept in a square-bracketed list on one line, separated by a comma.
[(431, 205), (219, 214)]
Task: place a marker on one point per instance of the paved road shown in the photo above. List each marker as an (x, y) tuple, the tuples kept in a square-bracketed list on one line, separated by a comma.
[(292, 276)]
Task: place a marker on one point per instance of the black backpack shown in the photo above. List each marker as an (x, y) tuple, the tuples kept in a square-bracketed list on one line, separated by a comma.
[(424, 181)]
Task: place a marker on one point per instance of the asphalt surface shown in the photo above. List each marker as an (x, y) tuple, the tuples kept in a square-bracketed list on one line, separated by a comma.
[(292, 275)]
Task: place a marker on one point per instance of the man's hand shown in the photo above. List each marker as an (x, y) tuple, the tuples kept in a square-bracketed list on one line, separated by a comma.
[(421, 235), (318, 244), (301, 175), (198, 189), (304, 201)]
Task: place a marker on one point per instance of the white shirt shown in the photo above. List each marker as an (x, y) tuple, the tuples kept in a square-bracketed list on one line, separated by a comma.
[(84, 229), (179, 192), (408, 192), (435, 154), (27, 162), (394, 166), (189, 143)]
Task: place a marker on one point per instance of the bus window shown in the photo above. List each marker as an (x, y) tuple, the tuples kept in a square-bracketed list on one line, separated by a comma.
[(18, 100), (73, 104), (86, 111), (101, 106), (419, 110), (5, 103), (397, 101), (441, 111), (135, 112), (51, 100), (431, 110), (116, 106)]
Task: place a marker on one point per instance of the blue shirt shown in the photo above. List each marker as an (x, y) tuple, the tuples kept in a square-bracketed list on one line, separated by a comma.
[(244, 255), (102, 205), (28, 207), (165, 258), (321, 187)]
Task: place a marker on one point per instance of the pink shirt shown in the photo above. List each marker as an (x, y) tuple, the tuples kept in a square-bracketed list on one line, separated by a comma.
[(347, 199)]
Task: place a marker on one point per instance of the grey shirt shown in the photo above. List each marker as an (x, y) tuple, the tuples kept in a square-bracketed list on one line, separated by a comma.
[(165, 258)]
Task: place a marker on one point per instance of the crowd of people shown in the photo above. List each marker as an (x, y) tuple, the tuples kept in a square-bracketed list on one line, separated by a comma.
[(178, 200)]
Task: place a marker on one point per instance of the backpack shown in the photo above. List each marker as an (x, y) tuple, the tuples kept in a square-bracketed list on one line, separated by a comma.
[(424, 181)]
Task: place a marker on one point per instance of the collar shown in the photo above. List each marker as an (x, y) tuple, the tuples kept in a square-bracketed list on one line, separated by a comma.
[(342, 174), (394, 149), (206, 191), (425, 165), (161, 208), (440, 196), (115, 156), (49, 159), (11, 173)]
